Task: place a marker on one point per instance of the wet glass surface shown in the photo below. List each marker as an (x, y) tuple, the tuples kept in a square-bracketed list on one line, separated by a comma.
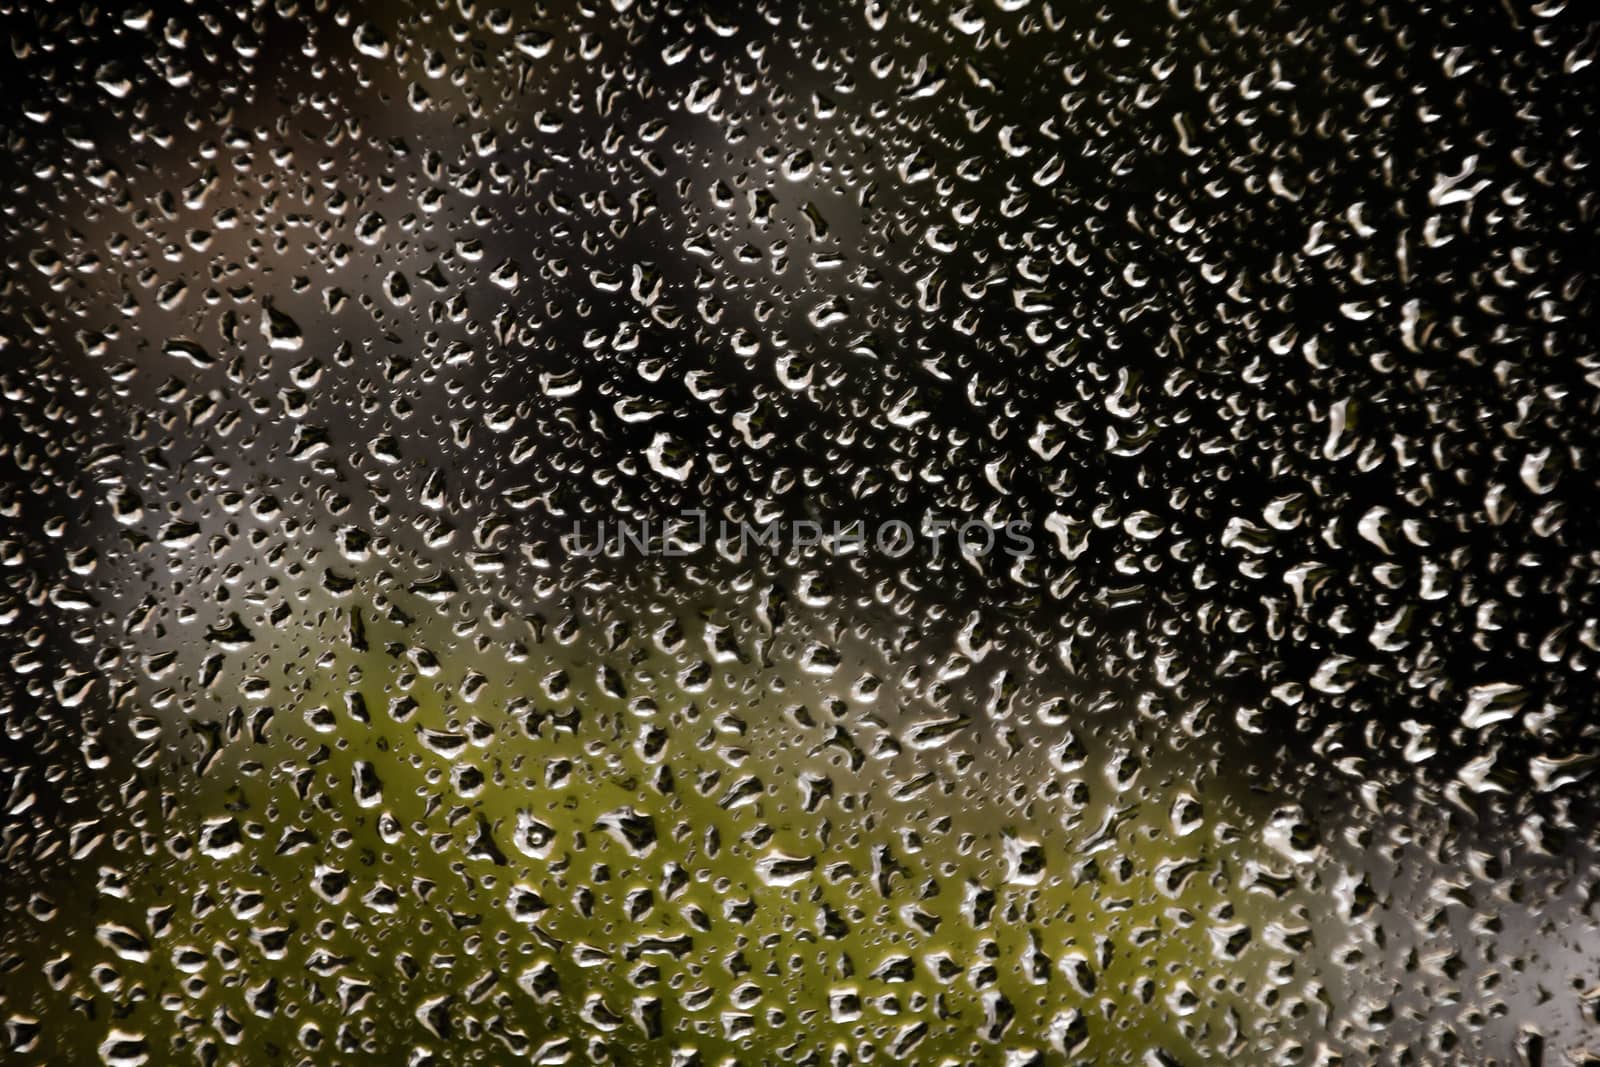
[(1017, 533)]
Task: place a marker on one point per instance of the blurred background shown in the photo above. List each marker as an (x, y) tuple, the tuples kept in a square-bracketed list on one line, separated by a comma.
[(322, 324)]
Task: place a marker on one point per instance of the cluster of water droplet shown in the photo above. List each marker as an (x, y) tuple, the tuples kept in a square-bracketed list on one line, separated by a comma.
[(322, 325)]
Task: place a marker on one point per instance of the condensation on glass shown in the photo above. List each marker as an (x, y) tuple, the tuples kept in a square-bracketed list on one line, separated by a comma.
[(324, 326)]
